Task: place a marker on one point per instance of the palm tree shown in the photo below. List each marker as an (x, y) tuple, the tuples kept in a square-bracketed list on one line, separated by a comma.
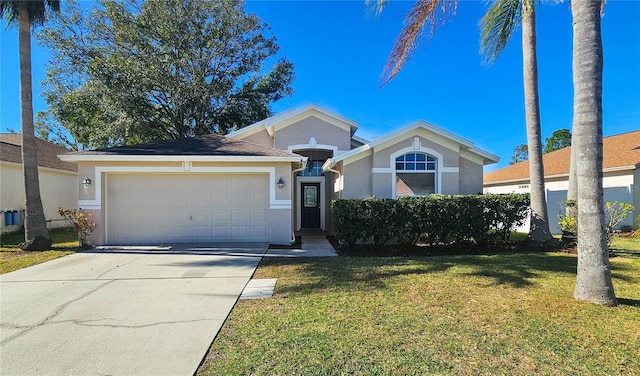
[(593, 281), (497, 26), (28, 14)]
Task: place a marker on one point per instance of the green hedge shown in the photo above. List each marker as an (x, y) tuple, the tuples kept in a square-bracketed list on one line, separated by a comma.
[(434, 219)]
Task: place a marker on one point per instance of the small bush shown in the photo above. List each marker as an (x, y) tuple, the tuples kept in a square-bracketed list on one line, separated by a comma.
[(83, 223), (436, 219)]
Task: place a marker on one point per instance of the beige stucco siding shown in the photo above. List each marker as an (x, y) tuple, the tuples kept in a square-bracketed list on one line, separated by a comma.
[(450, 184), (261, 137), (57, 188), (357, 178), (382, 185), (382, 156), (470, 177), (300, 132)]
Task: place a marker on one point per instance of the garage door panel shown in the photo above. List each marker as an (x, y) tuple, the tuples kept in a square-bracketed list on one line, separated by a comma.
[(160, 215), (220, 232), (240, 200), (152, 208), (201, 199), (202, 232), (259, 216), (201, 216), (161, 197), (180, 199), (239, 216), (239, 232), (259, 231), (259, 200), (220, 216), (220, 199), (181, 232)]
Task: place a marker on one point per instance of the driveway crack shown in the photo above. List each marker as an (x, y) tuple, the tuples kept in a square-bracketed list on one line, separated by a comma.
[(95, 323), (47, 319), (117, 266)]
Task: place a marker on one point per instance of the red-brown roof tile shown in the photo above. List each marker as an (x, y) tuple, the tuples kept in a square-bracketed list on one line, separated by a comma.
[(619, 151)]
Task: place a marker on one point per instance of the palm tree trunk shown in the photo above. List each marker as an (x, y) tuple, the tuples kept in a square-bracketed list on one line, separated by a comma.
[(36, 234), (593, 281), (539, 222)]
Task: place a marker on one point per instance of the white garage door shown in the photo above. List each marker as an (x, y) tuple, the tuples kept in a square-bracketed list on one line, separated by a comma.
[(186, 208)]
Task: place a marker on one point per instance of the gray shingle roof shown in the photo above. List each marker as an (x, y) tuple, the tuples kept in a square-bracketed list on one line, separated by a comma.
[(208, 145), (46, 152)]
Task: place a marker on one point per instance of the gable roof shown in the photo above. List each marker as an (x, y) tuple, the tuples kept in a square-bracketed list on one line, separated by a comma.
[(209, 147), (619, 152), (269, 123), (46, 152), (465, 144)]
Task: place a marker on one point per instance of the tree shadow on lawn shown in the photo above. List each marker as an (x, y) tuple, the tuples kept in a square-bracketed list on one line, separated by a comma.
[(515, 270), (629, 302)]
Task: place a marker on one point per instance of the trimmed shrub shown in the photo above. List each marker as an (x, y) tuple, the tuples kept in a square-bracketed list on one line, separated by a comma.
[(436, 219)]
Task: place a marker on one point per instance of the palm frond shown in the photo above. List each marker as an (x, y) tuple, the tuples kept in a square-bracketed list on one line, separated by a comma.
[(9, 10), (497, 26), (431, 13)]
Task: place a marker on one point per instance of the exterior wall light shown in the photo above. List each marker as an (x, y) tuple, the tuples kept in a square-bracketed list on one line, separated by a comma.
[(86, 182), (280, 183)]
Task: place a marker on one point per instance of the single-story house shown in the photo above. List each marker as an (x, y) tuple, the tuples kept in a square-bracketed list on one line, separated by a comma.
[(265, 181), (621, 176), (58, 182)]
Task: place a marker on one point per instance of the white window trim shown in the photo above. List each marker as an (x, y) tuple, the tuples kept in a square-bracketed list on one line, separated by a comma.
[(413, 149)]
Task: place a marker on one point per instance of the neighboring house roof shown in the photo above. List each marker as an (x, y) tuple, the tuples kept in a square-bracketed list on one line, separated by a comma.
[(46, 152), (619, 152), (210, 147), (270, 122), (465, 144)]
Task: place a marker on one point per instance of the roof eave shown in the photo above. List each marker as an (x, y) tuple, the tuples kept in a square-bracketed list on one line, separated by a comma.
[(176, 158)]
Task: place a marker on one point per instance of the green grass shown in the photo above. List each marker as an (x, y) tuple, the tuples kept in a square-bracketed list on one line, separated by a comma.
[(12, 258), (456, 315), (626, 246)]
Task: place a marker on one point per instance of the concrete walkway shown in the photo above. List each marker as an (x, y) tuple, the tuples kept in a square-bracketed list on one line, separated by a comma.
[(313, 245)]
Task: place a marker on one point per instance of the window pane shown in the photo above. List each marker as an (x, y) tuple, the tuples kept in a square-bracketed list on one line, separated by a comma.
[(415, 184), (431, 166), (431, 159), (399, 166), (420, 157), (420, 166), (410, 157), (400, 158), (410, 166)]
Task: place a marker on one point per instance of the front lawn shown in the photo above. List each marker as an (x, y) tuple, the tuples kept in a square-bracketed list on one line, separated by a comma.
[(65, 241), (458, 315)]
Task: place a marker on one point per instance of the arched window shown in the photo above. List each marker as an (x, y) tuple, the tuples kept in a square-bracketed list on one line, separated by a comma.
[(416, 174)]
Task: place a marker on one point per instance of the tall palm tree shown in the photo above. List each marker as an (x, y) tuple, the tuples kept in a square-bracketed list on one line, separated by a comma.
[(497, 26), (28, 14), (593, 281)]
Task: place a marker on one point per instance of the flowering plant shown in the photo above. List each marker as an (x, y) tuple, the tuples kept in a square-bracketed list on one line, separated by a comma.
[(82, 222)]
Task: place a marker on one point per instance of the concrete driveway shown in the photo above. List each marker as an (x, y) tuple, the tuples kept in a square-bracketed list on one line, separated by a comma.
[(121, 311)]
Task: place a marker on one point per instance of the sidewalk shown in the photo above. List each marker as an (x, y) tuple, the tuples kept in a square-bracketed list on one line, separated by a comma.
[(313, 245)]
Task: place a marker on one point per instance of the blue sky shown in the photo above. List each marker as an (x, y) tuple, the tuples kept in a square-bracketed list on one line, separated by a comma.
[(339, 48)]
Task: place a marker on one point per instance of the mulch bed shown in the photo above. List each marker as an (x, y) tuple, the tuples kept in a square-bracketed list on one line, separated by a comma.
[(398, 250)]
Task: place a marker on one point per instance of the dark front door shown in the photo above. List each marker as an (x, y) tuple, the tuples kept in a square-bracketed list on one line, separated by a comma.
[(310, 200)]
